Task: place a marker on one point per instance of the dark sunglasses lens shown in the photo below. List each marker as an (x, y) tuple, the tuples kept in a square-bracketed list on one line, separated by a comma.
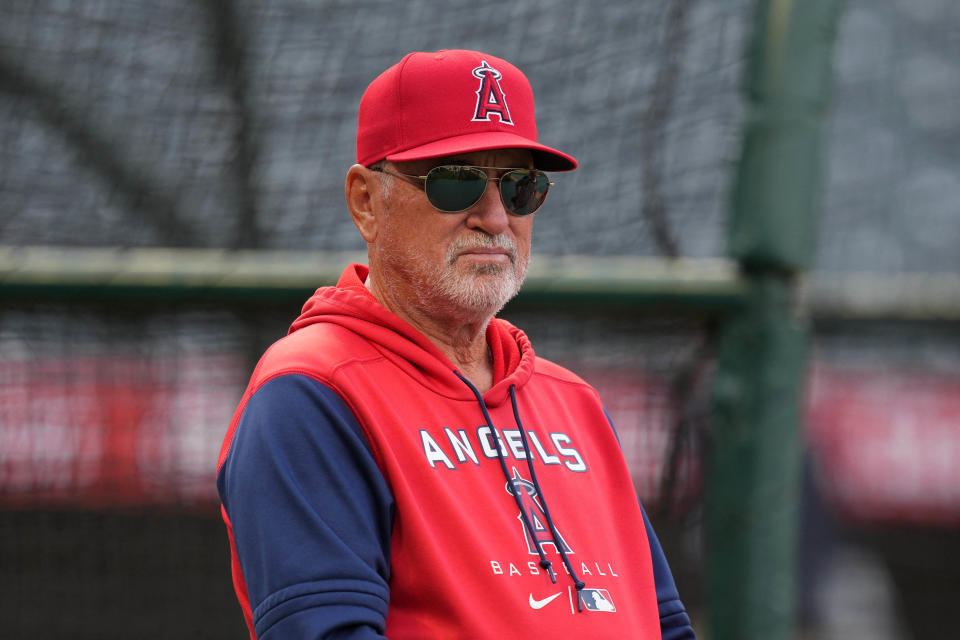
[(524, 190), (453, 188)]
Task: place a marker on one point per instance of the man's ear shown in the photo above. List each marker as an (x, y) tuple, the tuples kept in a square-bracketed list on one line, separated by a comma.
[(362, 190)]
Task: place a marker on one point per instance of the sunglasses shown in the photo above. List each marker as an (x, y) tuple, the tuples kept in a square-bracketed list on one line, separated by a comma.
[(454, 188)]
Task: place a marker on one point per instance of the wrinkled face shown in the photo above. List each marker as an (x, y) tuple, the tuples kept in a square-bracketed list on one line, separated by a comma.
[(465, 265)]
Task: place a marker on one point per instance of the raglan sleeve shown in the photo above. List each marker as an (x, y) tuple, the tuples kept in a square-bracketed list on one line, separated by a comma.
[(674, 621), (311, 514)]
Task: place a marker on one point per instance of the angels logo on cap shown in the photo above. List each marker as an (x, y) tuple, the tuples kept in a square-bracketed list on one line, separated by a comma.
[(490, 98)]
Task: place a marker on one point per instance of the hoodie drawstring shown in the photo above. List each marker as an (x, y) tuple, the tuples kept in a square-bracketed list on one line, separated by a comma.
[(577, 582), (544, 562)]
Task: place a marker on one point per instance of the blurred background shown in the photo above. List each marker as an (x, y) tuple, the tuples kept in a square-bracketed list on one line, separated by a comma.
[(130, 128)]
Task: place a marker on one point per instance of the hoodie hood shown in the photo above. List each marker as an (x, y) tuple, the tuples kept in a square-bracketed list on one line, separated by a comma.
[(351, 305)]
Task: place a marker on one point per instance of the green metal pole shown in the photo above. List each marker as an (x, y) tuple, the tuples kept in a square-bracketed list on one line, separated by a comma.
[(753, 491)]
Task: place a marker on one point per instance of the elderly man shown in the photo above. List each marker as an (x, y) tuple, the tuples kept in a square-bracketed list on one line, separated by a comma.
[(402, 464)]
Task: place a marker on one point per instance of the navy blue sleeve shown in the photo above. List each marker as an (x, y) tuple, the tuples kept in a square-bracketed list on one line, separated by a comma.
[(311, 514), (674, 621)]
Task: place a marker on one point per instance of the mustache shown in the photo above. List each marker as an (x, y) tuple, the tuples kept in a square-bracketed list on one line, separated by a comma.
[(483, 241)]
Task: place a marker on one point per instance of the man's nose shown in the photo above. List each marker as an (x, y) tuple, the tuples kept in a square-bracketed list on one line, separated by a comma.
[(489, 214)]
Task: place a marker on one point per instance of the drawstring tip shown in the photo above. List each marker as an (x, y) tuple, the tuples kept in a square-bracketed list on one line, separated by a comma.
[(579, 586), (546, 564)]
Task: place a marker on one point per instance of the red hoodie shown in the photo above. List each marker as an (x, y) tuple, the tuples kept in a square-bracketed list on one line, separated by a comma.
[(364, 491)]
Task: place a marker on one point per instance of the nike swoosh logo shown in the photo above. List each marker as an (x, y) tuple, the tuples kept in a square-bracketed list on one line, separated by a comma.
[(540, 604)]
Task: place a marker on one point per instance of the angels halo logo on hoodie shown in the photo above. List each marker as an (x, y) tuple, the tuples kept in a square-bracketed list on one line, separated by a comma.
[(490, 96), (540, 535)]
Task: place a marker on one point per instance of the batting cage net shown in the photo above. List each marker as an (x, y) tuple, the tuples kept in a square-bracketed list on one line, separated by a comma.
[(230, 125)]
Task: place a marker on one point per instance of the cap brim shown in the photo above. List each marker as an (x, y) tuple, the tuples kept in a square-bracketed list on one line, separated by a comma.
[(544, 157)]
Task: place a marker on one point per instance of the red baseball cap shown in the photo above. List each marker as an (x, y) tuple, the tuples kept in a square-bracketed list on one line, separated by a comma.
[(443, 103)]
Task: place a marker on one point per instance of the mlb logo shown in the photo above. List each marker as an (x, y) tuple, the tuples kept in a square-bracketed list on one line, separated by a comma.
[(597, 600)]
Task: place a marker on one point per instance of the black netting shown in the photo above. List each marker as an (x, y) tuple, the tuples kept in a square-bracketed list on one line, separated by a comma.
[(223, 124)]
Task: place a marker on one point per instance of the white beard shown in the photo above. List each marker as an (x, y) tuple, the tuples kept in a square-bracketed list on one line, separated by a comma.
[(459, 289), (484, 287)]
